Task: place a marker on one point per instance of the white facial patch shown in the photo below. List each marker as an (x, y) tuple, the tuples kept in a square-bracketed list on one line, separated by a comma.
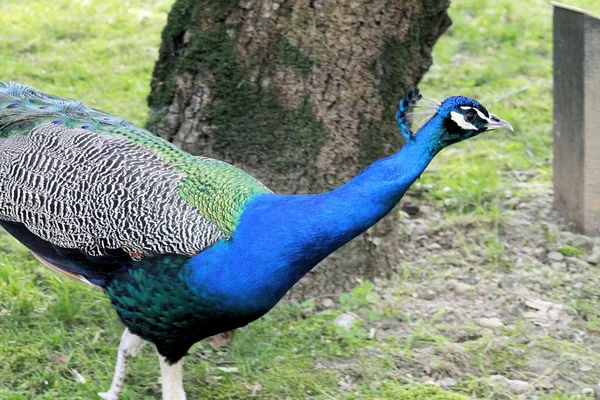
[(460, 121), (481, 115)]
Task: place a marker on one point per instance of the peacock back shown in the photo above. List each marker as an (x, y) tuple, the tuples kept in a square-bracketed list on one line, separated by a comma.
[(77, 180)]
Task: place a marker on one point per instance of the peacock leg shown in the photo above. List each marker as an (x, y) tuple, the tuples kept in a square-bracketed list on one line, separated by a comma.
[(172, 379), (129, 347)]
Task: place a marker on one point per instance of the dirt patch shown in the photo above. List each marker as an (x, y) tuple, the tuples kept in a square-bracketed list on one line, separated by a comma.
[(486, 306)]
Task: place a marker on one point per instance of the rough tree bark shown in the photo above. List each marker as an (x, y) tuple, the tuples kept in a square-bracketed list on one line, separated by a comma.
[(301, 94)]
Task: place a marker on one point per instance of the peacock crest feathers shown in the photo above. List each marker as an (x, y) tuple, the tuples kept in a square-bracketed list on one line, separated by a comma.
[(406, 113), (218, 190)]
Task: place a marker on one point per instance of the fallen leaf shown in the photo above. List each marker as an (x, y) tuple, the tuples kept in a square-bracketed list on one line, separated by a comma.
[(547, 313), (221, 340), (57, 358)]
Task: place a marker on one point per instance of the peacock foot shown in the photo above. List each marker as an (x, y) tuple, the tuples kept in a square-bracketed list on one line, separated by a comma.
[(110, 395)]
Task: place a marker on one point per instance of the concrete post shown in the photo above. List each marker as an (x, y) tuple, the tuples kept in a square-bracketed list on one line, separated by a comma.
[(577, 117)]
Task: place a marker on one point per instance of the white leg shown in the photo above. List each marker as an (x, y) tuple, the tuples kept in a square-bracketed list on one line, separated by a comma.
[(129, 347), (172, 379)]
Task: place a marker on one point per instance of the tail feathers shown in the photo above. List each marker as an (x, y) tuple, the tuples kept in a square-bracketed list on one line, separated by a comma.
[(96, 271), (61, 271), (22, 108)]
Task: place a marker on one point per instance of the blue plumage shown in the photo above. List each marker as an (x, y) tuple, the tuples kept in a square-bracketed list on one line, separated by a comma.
[(252, 247), (408, 102)]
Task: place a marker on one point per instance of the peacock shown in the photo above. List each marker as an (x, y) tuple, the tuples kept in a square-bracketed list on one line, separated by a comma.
[(186, 247)]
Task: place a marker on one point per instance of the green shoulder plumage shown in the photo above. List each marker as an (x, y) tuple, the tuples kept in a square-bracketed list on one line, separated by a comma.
[(217, 189)]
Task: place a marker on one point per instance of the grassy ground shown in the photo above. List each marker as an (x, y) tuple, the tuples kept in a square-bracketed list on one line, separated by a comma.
[(495, 298)]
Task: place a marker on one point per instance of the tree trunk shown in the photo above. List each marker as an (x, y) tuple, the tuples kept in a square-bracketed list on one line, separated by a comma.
[(301, 94)]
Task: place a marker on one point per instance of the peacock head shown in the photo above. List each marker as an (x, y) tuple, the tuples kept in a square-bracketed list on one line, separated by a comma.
[(456, 119)]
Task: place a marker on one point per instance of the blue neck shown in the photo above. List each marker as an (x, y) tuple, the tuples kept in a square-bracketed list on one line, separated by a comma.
[(279, 238)]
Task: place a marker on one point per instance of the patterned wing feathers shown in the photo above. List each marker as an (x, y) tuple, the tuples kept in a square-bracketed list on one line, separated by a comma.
[(83, 179), (77, 189)]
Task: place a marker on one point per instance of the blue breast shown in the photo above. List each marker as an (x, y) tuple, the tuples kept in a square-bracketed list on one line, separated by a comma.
[(277, 241)]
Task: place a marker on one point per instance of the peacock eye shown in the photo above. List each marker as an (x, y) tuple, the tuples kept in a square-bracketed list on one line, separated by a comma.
[(470, 116)]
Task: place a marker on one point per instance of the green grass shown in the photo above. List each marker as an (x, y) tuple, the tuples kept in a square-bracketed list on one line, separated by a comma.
[(500, 55), (571, 251), (100, 52), (52, 329)]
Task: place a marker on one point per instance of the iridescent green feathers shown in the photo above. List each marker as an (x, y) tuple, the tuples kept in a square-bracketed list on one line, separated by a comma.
[(22, 108), (218, 190)]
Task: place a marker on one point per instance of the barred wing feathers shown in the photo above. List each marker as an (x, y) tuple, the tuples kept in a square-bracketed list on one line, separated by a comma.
[(80, 186)]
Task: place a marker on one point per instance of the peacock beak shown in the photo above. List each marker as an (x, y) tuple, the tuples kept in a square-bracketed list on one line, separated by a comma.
[(498, 123)]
